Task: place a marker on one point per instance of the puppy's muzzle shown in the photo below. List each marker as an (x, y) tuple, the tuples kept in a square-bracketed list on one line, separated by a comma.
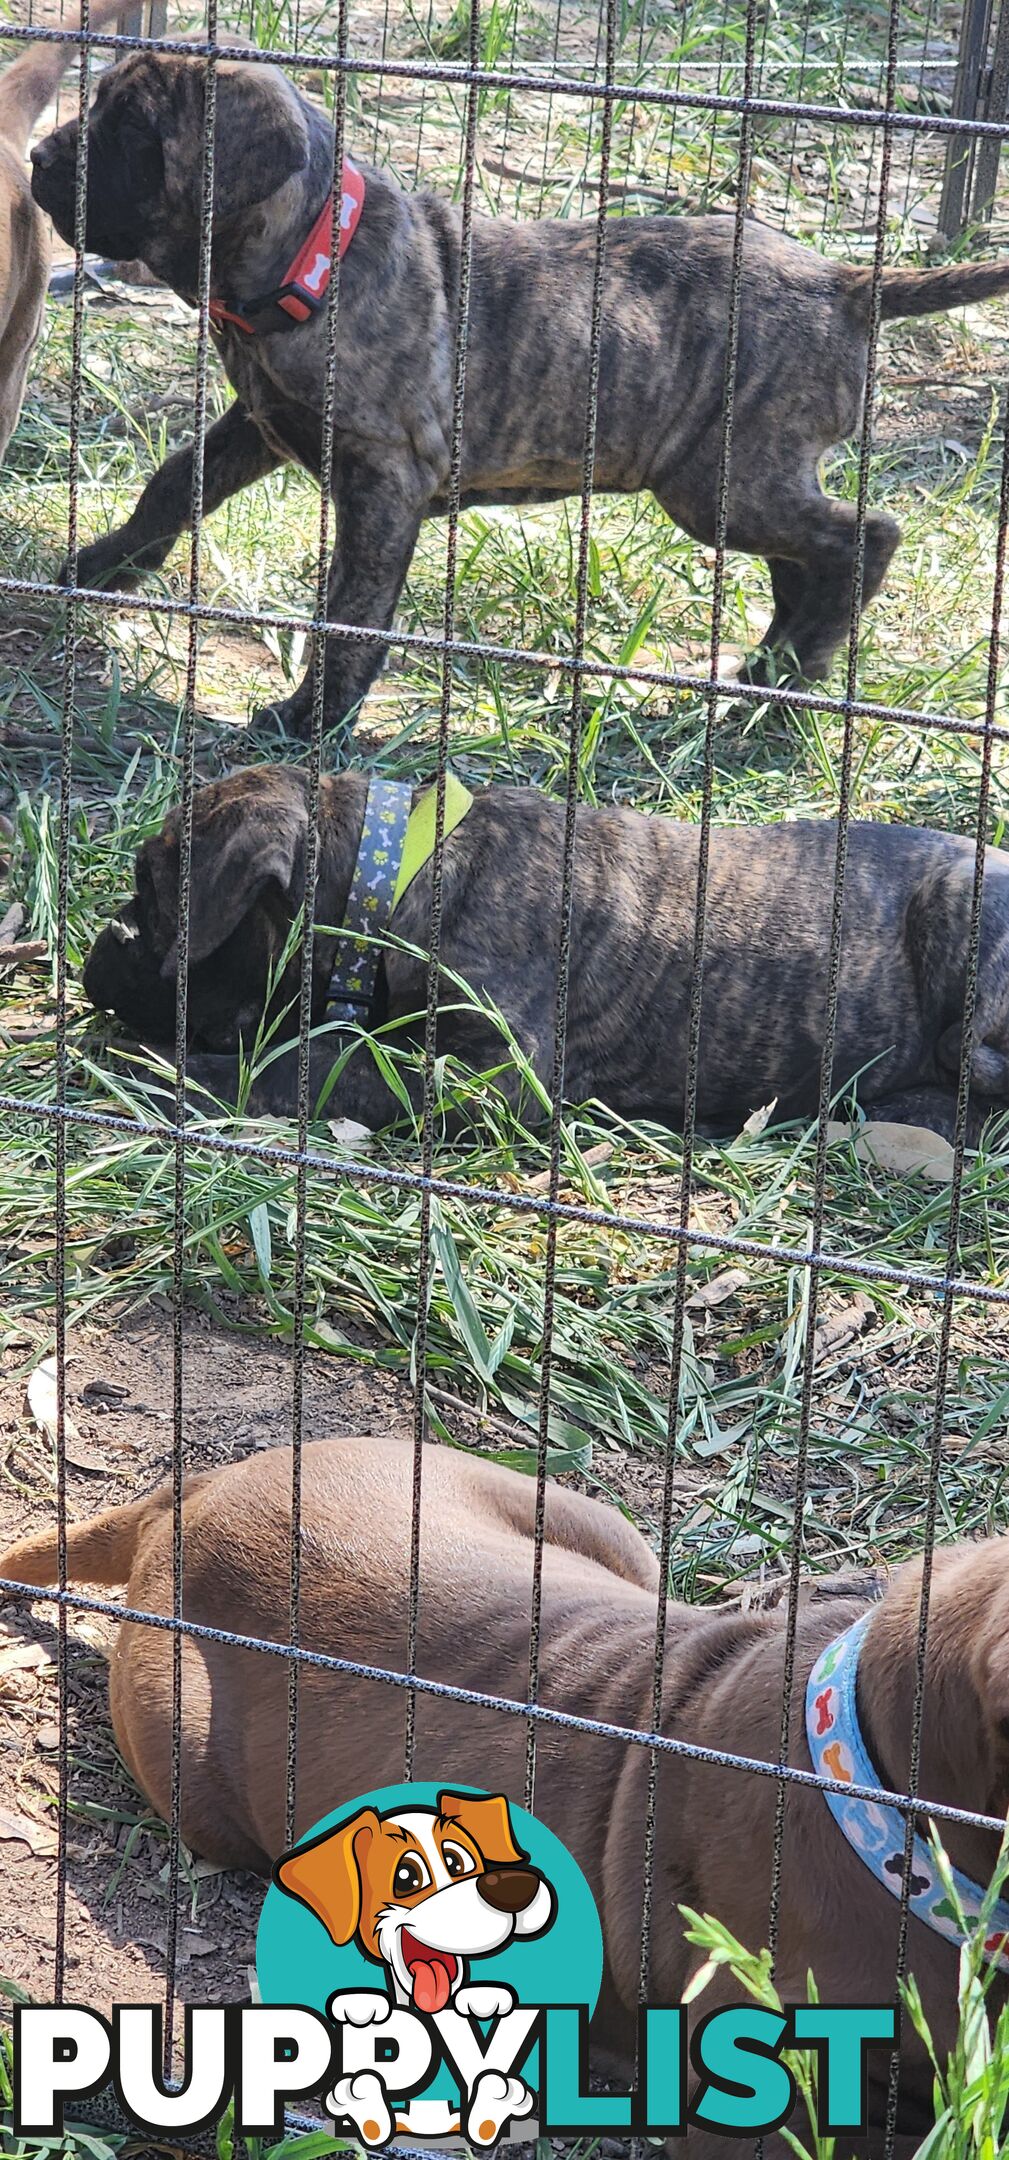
[(509, 1890), (54, 177)]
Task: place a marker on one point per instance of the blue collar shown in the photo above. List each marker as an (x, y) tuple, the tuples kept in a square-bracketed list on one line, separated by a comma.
[(875, 1829), (370, 900), (395, 844)]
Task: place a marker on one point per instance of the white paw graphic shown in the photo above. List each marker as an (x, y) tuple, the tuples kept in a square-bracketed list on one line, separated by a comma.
[(367, 2007), (362, 2098), (486, 2001), (495, 2099)]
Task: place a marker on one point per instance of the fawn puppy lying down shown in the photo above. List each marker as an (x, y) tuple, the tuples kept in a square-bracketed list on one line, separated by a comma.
[(723, 1689)]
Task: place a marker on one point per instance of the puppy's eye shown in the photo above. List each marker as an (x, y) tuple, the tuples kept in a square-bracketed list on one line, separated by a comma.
[(457, 1861), (411, 1875)]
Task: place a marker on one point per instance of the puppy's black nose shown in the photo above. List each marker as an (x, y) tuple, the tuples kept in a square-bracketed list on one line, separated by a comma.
[(508, 1889), (42, 153)]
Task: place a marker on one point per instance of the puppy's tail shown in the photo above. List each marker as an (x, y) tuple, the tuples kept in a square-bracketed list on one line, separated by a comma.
[(28, 85), (929, 292), (99, 1551)]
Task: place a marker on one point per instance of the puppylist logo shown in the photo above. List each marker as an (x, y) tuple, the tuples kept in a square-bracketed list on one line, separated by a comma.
[(440, 1922), (428, 1960)]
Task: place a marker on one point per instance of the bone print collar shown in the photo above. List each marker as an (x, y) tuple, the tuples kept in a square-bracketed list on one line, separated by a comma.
[(875, 1829), (395, 844), (306, 281)]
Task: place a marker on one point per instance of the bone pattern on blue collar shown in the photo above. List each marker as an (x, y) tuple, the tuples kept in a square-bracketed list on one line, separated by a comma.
[(875, 1829), (370, 899)]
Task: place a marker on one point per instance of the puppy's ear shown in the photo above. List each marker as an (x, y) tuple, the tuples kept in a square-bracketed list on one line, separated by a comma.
[(260, 137), (326, 1875), (239, 848), (487, 1822)]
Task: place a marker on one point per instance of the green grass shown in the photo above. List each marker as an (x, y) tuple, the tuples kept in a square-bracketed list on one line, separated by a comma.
[(936, 465), (970, 2084)]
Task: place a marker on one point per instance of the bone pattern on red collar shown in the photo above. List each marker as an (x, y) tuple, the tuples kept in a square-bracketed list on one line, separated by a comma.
[(302, 291)]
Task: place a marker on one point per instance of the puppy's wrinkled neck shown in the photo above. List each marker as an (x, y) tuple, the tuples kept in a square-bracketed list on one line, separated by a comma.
[(963, 1758), (252, 253)]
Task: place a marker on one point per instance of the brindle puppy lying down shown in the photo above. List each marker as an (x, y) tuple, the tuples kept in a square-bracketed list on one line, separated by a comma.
[(770, 889), (714, 1832), (803, 344)]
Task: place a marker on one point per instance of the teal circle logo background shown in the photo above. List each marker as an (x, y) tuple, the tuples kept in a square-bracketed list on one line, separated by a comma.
[(296, 1962)]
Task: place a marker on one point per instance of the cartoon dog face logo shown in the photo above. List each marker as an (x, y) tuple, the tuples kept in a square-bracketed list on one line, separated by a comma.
[(422, 1890)]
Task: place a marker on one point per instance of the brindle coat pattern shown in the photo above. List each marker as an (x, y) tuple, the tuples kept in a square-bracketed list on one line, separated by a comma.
[(800, 378), (769, 896)]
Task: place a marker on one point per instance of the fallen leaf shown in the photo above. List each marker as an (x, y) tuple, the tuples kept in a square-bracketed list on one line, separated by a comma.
[(757, 1119), (22, 1830), (82, 1457), (906, 1150), (104, 1391), (842, 1327), (761, 1596), (18, 1656), (353, 1138), (718, 1290), (42, 1401), (28, 949), (592, 1157), (264, 1131)]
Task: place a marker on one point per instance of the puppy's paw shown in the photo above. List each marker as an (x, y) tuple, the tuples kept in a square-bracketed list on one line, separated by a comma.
[(360, 2007), (291, 717), (486, 2001), (494, 2102), (362, 2098), (103, 567)]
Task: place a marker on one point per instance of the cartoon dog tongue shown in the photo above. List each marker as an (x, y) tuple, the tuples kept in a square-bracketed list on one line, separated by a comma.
[(430, 1984)]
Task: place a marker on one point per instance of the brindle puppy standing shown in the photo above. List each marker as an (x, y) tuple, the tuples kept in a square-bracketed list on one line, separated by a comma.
[(799, 386)]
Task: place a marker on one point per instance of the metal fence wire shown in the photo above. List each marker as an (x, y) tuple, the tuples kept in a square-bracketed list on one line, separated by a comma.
[(913, 110)]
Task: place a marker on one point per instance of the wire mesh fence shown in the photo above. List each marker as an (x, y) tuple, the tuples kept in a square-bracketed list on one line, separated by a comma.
[(550, 1280)]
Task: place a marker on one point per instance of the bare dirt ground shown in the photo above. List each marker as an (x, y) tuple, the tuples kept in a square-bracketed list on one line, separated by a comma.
[(238, 1398)]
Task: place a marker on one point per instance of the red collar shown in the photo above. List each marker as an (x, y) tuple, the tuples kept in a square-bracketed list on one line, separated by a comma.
[(305, 285)]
